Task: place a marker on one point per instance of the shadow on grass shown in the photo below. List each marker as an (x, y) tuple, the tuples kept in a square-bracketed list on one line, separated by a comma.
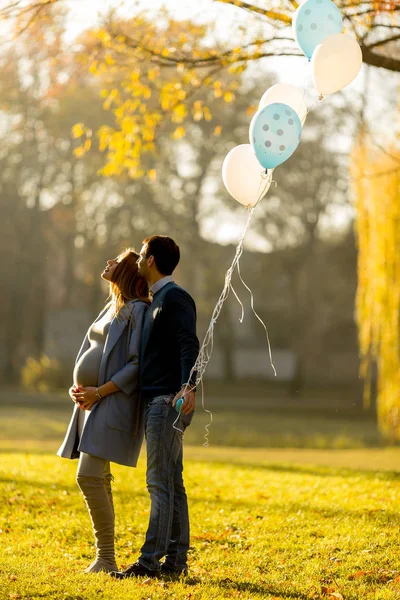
[(315, 471), (294, 508), (261, 589), (71, 487), (326, 471)]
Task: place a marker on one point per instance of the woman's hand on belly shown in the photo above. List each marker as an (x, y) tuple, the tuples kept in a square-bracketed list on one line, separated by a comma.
[(85, 397), (73, 390)]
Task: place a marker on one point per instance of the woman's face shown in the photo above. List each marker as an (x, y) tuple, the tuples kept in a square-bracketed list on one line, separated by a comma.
[(108, 271)]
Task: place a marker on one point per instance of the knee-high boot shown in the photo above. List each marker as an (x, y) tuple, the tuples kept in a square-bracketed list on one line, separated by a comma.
[(98, 499)]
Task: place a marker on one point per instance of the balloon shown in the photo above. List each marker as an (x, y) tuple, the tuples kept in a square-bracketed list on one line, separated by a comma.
[(335, 63), (275, 133), (313, 22), (243, 176), (286, 94)]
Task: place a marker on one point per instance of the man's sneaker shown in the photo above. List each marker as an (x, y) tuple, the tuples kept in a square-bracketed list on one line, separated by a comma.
[(173, 571), (135, 570)]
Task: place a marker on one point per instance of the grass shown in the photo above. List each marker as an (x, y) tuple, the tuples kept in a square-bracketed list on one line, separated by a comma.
[(271, 421), (317, 522), (260, 530)]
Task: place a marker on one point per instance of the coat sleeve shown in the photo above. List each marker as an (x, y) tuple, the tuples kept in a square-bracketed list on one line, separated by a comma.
[(127, 378), (182, 314)]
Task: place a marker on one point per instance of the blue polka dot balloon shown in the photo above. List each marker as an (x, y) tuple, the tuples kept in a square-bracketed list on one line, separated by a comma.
[(313, 22), (275, 133)]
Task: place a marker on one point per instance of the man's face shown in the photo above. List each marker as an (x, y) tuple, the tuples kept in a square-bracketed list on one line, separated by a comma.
[(142, 262)]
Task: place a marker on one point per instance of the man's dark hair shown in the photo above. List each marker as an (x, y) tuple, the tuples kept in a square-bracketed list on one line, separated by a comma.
[(166, 253)]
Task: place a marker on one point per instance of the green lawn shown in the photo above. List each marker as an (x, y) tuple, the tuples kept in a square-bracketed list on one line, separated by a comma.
[(263, 527), (252, 421), (320, 521)]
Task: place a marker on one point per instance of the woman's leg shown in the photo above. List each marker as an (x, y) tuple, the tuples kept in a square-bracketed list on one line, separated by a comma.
[(94, 479)]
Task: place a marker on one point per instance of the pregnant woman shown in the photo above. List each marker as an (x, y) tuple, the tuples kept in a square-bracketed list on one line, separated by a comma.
[(107, 424)]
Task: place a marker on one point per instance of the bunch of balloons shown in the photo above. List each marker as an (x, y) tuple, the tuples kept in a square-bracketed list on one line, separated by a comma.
[(275, 130), (335, 56)]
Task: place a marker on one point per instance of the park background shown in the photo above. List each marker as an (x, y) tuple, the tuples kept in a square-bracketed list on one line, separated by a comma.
[(114, 125)]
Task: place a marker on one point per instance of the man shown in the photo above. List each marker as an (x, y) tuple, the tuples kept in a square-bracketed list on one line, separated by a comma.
[(168, 352)]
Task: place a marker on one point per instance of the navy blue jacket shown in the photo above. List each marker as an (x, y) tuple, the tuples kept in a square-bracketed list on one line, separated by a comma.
[(169, 342)]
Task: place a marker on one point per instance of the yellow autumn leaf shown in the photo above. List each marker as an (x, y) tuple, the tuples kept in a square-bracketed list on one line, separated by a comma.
[(109, 59), (179, 113), (179, 133), (78, 130), (148, 135), (94, 67), (207, 113), (229, 97), (152, 174), (251, 110), (110, 169), (218, 130), (110, 98), (79, 152), (87, 145), (146, 93), (197, 110)]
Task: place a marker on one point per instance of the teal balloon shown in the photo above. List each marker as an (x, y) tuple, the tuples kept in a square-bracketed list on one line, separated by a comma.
[(178, 405), (275, 133), (313, 22)]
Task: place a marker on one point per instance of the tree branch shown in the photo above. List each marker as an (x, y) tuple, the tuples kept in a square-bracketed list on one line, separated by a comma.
[(205, 61), (386, 41), (378, 60), (270, 14)]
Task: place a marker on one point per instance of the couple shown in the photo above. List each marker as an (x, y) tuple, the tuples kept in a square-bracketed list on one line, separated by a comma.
[(133, 366)]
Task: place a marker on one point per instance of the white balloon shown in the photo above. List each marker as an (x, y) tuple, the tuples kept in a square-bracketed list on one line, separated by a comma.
[(335, 63), (286, 94), (243, 176)]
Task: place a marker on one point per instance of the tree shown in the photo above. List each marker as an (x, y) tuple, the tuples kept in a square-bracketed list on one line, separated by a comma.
[(376, 183), (153, 76), (139, 50)]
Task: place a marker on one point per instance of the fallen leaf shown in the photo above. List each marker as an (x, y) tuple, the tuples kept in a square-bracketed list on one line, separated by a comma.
[(327, 590), (359, 574)]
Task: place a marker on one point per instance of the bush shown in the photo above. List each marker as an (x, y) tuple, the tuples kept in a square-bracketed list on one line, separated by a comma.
[(42, 375)]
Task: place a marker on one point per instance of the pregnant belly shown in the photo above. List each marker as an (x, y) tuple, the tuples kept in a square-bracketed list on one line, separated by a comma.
[(86, 371)]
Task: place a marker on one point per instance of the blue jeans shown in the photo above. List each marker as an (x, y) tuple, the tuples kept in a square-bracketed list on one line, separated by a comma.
[(168, 531)]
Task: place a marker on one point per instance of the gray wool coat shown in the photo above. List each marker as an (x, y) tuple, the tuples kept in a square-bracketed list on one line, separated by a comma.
[(114, 429)]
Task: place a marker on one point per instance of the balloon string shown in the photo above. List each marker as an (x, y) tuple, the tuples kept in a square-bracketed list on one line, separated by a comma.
[(207, 345), (305, 86), (258, 317), (207, 427), (240, 302)]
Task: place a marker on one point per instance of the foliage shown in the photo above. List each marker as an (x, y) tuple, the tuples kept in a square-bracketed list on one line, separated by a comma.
[(153, 72), (277, 531), (376, 182), (42, 375)]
